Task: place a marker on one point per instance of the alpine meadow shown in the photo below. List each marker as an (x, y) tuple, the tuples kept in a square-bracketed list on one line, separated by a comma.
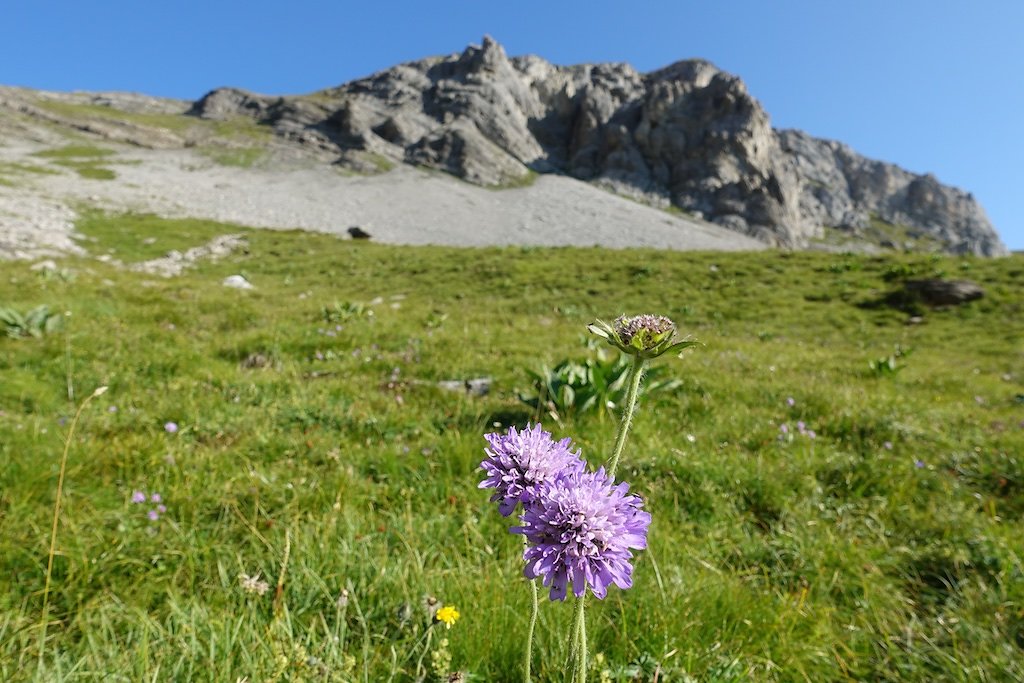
[(281, 483)]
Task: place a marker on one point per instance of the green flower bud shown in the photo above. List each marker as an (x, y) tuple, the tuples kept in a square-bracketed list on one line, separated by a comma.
[(646, 336)]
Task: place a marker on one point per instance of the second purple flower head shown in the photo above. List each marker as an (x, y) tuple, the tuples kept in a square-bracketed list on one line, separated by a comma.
[(580, 530), (519, 462)]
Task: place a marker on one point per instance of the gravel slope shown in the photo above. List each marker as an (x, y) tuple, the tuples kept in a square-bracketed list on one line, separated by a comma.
[(403, 206)]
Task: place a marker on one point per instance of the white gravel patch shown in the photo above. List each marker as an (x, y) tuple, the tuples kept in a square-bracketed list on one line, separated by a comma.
[(403, 206)]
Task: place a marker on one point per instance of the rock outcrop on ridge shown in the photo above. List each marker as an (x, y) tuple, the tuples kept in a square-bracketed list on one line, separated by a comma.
[(845, 190), (688, 136)]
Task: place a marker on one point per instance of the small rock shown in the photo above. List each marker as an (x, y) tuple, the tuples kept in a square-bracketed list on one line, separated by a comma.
[(358, 233), (237, 281), (915, 320), (256, 360), (48, 265), (478, 386)]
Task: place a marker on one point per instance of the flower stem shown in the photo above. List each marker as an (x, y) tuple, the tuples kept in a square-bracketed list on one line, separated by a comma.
[(636, 374), (533, 625), (56, 516), (579, 639), (423, 653)]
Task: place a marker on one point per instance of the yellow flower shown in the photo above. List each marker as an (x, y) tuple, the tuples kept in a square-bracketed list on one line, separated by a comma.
[(448, 614)]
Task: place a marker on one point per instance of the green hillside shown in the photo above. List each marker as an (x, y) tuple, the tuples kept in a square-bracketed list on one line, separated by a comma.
[(309, 423)]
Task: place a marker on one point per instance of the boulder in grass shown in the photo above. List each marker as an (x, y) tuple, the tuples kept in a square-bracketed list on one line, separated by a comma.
[(937, 292), (237, 282), (477, 386), (49, 266)]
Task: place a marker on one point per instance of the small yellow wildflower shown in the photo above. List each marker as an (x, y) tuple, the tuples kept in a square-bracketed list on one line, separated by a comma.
[(448, 614)]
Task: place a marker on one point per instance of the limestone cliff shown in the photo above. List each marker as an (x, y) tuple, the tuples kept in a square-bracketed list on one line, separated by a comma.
[(689, 136)]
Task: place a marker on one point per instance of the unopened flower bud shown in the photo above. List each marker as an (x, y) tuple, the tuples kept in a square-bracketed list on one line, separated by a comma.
[(646, 336)]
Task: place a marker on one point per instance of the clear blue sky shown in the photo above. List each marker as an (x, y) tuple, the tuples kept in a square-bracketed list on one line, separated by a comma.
[(933, 85)]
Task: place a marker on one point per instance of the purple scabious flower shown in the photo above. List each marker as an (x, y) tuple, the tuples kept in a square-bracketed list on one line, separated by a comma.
[(518, 462), (580, 530)]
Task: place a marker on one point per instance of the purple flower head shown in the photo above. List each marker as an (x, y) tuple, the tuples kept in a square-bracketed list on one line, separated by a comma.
[(801, 426), (171, 427), (138, 497), (811, 434), (518, 462), (887, 445), (156, 498), (784, 428), (161, 509), (919, 464), (580, 530), (790, 402), (153, 515)]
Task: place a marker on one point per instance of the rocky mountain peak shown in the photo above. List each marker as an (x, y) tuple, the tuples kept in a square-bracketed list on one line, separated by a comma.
[(488, 56), (687, 135)]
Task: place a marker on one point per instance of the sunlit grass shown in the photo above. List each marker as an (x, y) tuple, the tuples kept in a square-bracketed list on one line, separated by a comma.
[(886, 548)]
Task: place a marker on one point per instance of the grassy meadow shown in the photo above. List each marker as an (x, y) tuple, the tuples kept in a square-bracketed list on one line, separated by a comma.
[(314, 450)]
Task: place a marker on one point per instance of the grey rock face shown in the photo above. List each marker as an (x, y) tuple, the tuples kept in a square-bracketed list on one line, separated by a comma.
[(688, 135), (844, 189)]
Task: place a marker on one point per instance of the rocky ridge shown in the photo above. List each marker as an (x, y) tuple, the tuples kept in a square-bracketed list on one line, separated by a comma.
[(688, 136)]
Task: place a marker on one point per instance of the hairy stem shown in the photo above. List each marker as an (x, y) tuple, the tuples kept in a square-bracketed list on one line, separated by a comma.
[(636, 374), (529, 633), (579, 667), (423, 653), (279, 591)]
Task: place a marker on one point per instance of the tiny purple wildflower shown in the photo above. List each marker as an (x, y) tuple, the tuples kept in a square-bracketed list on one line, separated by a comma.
[(801, 426), (518, 462), (112, 409), (784, 428), (156, 498), (153, 515), (171, 427), (887, 445), (919, 464), (580, 530), (811, 434), (790, 402), (138, 497), (161, 509)]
